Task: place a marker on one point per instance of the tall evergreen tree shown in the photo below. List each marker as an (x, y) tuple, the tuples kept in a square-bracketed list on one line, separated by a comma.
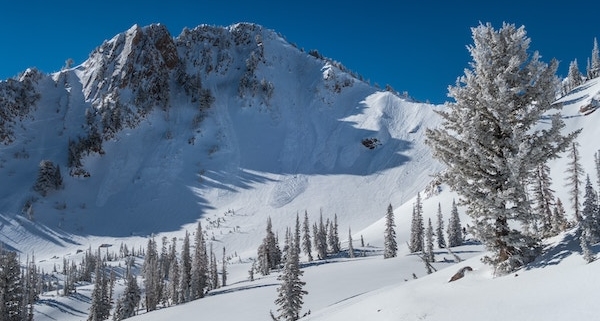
[(128, 303), (559, 221), (269, 254), (597, 167), (439, 230), (594, 69), (152, 276), (543, 197), (333, 238), (455, 234), (350, 246), (321, 239), (574, 77), (417, 228), (429, 255), (186, 271), (213, 271), (574, 172), (490, 143), (390, 247), (100, 306), (591, 213), (290, 292), (11, 287), (174, 273), (200, 266), (224, 269), (306, 244)]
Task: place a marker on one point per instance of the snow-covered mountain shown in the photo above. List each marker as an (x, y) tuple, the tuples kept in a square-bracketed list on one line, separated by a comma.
[(229, 126), (225, 125)]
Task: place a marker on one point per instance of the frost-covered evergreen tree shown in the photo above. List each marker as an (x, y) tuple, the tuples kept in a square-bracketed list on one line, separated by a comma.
[(186, 271), (591, 213), (593, 69), (455, 234), (200, 266), (350, 246), (11, 287), (417, 228), (490, 143), (269, 254), (306, 244), (174, 273), (574, 77), (100, 306), (152, 276), (597, 167), (390, 247), (224, 269), (559, 221), (543, 197), (439, 230), (213, 270), (574, 172), (429, 255), (128, 303), (320, 236), (333, 239), (49, 178), (290, 292), (31, 288)]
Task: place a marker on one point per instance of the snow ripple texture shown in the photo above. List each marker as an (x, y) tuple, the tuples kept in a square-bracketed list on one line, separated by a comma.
[(287, 190)]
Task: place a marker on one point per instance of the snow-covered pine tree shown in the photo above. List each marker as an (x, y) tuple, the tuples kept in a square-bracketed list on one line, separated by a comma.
[(333, 239), (290, 292), (390, 247), (213, 271), (174, 274), (439, 230), (593, 70), (306, 244), (350, 246), (543, 197), (559, 221), (100, 306), (11, 287), (224, 269), (48, 179), (321, 239), (574, 172), (186, 271), (200, 265), (269, 254), (128, 303), (31, 288), (574, 77), (490, 143), (429, 255), (417, 228), (590, 213), (597, 167), (152, 276)]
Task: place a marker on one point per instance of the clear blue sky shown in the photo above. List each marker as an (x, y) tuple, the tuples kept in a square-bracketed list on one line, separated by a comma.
[(415, 46)]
